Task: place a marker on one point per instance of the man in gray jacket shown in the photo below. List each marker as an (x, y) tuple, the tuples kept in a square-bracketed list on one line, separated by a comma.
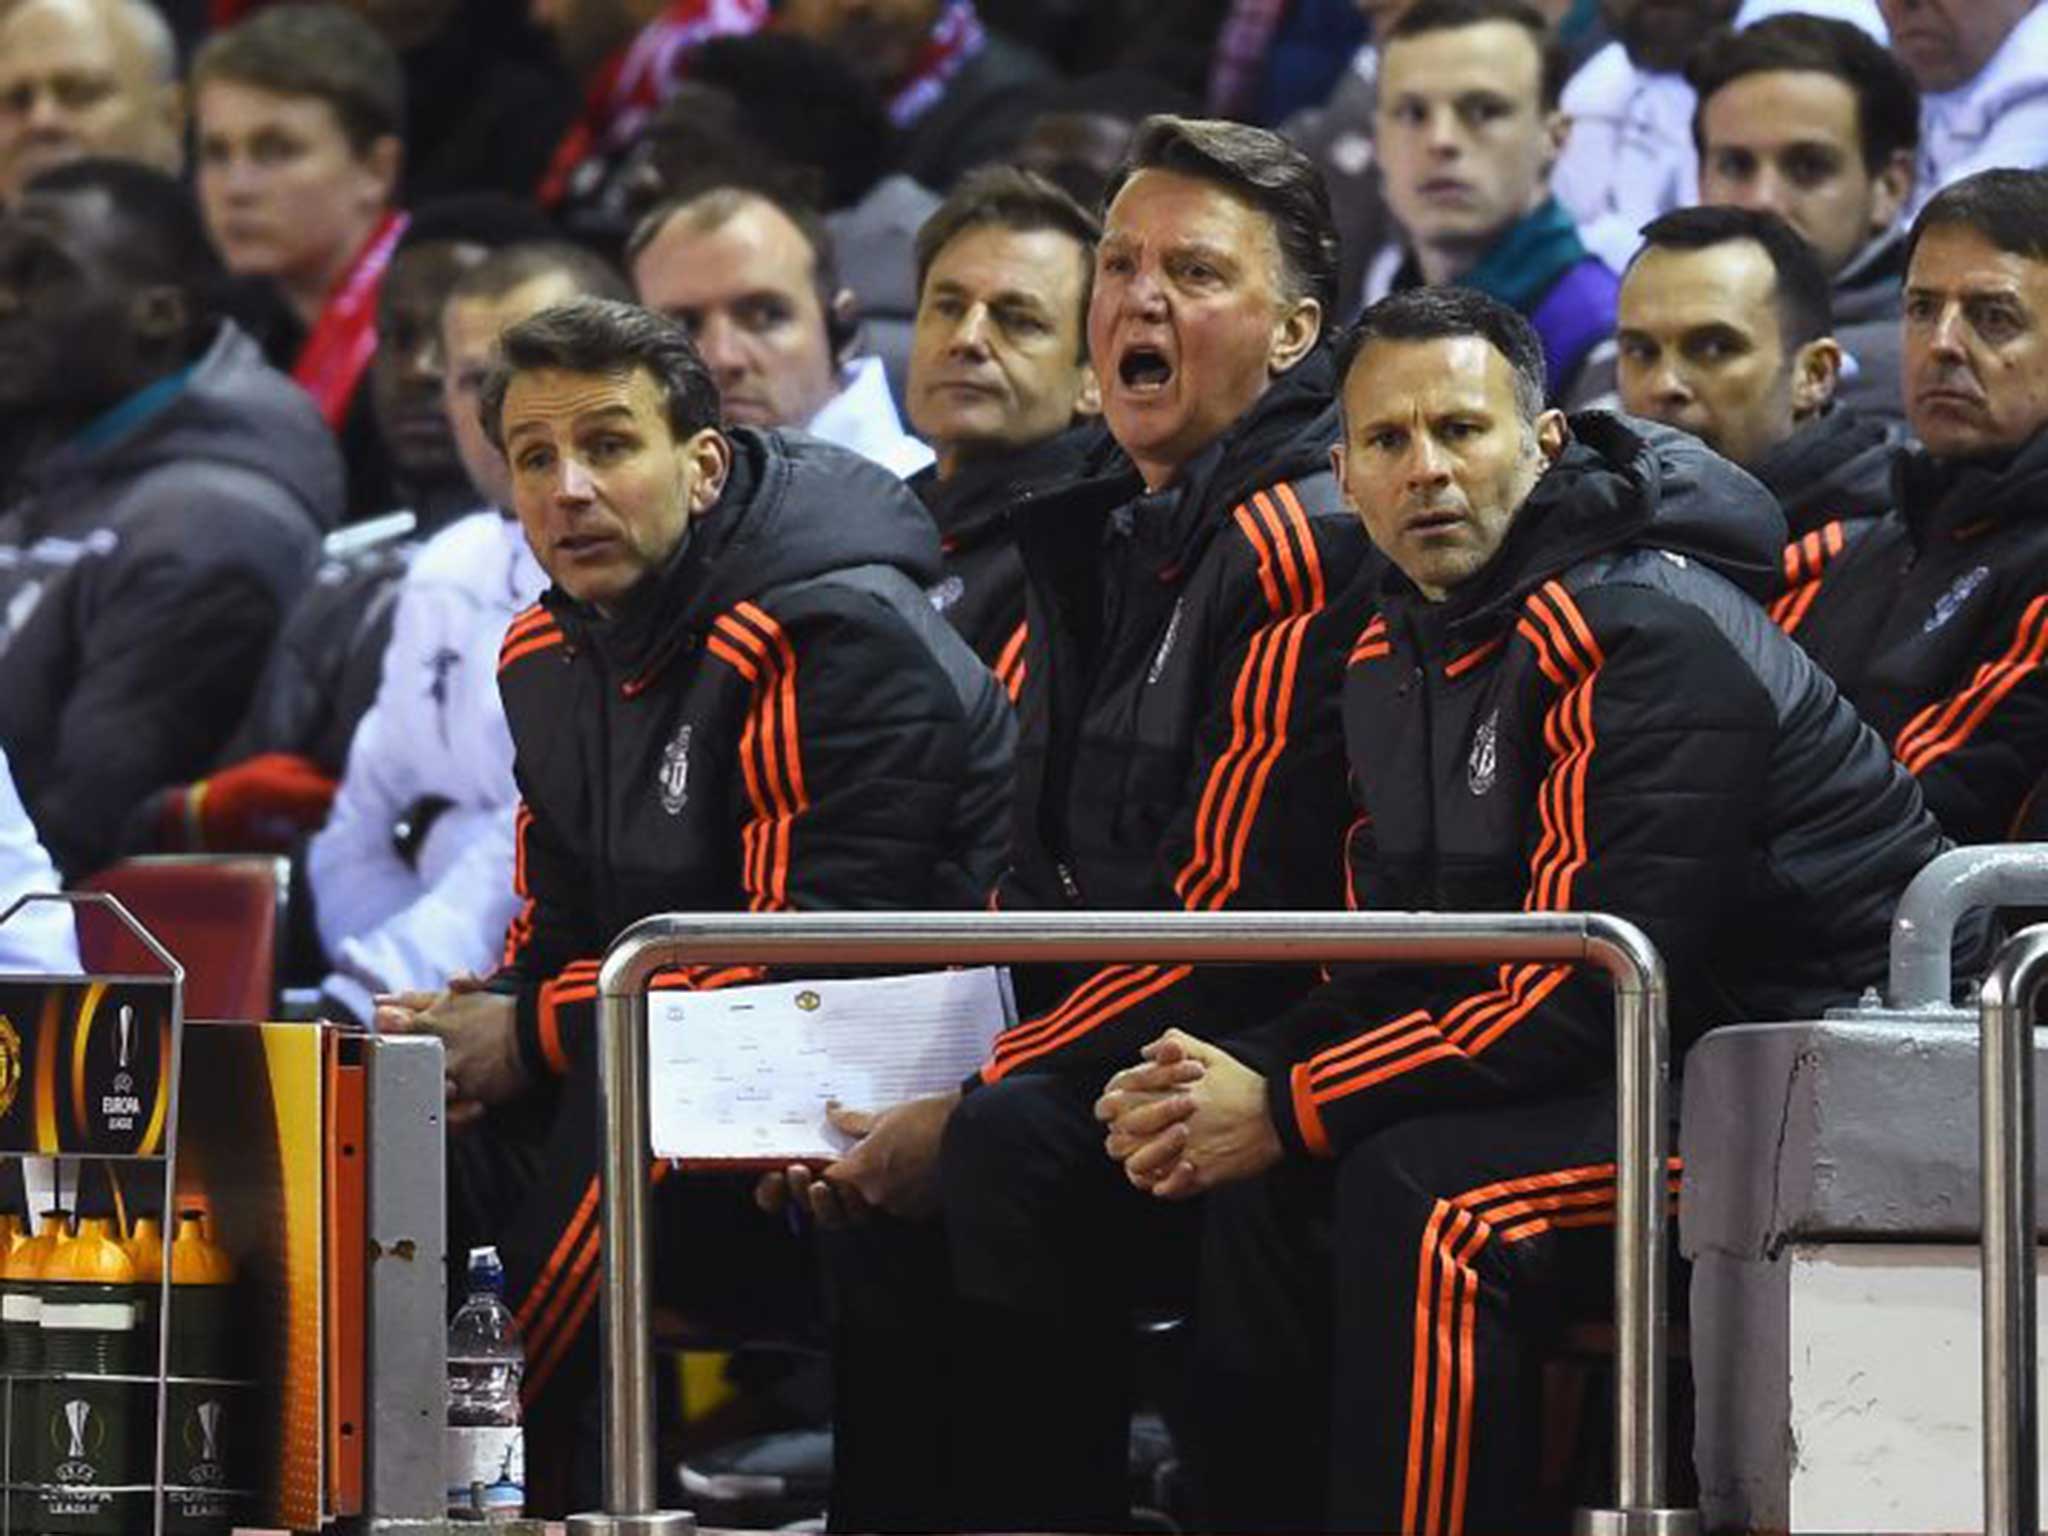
[(166, 493)]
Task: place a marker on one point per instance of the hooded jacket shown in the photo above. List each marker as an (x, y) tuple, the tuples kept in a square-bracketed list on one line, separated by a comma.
[(1600, 720), (145, 568), (1935, 624), (776, 720), (981, 591), (1179, 742), (1835, 468)]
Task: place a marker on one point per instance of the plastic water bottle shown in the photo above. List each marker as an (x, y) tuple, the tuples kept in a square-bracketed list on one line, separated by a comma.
[(486, 1446)]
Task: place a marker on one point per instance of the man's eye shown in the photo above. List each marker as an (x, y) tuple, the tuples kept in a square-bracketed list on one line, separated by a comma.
[(77, 92), (1734, 165), (1459, 431), (1997, 323), (1809, 168), (1386, 442), (1022, 322), (533, 460), (1116, 263), (1921, 311), (610, 448), (765, 316)]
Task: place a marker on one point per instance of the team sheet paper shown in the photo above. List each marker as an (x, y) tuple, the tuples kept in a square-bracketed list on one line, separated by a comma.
[(743, 1074)]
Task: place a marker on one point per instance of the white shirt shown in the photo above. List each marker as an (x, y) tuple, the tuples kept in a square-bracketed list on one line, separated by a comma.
[(41, 938), (1630, 155), (1998, 118), (862, 416), (437, 728)]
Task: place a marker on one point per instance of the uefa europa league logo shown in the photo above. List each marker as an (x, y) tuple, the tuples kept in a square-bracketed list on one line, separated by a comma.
[(80, 1433), (203, 1440), (127, 1033)]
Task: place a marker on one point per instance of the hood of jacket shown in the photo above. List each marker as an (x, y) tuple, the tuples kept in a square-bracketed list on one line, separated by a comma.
[(1622, 482), (1943, 495), (1837, 465), (232, 409), (794, 508), (975, 504)]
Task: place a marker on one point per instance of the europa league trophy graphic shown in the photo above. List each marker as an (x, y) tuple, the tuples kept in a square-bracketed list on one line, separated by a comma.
[(77, 1415)]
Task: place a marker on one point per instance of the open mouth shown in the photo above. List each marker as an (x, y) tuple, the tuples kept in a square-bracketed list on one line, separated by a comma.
[(1144, 370)]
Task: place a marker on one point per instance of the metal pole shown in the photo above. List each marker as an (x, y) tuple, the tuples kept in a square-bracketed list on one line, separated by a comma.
[(2006, 1140), (1959, 882), (900, 938)]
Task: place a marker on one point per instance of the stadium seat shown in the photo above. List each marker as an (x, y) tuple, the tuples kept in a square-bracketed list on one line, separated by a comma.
[(221, 915)]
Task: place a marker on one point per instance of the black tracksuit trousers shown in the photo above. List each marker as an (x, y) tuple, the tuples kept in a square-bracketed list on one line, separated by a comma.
[(1369, 1332), (1006, 1328)]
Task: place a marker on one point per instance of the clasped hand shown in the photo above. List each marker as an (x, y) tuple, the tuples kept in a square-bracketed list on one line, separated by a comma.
[(1188, 1118), (479, 1036)]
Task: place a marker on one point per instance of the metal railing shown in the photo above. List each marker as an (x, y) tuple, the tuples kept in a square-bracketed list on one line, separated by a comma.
[(2005, 1010), (1950, 888), (912, 938)]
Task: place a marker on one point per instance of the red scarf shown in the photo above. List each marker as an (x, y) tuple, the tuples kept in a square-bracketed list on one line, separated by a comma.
[(956, 37), (344, 338), (636, 80)]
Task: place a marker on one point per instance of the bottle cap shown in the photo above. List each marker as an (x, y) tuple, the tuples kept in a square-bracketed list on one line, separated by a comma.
[(486, 1271)]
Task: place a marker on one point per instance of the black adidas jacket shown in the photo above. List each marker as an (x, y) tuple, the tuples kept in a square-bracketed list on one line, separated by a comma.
[(1180, 745), (1935, 624), (1600, 720), (776, 720), (981, 588), (1836, 467)]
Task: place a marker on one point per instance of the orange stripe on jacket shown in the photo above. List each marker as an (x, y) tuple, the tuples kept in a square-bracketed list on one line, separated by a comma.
[(770, 757), (533, 647), (1941, 728), (1010, 1057), (1009, 667), (1571, 659), (1235, 787)]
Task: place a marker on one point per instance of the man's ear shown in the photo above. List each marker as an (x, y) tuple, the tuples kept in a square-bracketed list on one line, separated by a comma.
[(1891, 190), (160, 315), (842, 326), (384, 161), (1816, 373), (1337, 472), (1552, 433), (1557, 131), (709, 453), (1295, 335), (1088, 402)]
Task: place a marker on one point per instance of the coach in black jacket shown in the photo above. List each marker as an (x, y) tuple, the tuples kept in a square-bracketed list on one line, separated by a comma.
[(1567, 701), (1179, 749), (1935, 622), (735, 695)]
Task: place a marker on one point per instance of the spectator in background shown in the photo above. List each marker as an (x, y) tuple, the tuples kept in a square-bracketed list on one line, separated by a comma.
[(777, 109), (1077, 131), (42, 936), (1631, 153), (276, 776), (169, 494), (941, 74), (1723, 332), (485, 102), (1935, 623), (412, 876), (1468, 131), (1809, 119), (628, 56), (1982, 68), (298, 112), (753, 280), (1000, 386), (86, 77)]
